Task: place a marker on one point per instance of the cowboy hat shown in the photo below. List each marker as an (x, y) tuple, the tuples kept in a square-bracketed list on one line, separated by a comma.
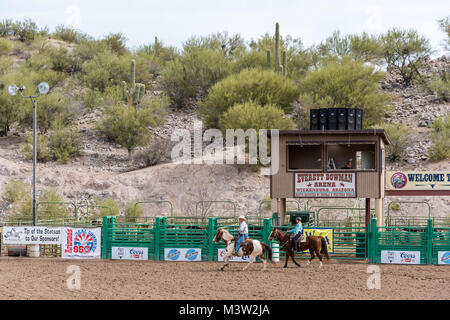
[(241, 217)]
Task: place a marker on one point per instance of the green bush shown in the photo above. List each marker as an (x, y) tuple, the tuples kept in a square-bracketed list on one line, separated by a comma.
[(91, 98), (193, 74), (400, 137), (260, 86), (129, 210), (405, 52), (116, 42), (43, 153), (249, 115), (5, 47), (64, 142), (68, 34), (6, 27), (127, 126), (103, 207), (346, 83), (105, 70), (16, 191), (440, 86), (440, 137)]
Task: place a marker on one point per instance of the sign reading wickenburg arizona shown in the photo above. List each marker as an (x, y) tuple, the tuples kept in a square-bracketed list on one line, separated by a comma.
[(324, 185)]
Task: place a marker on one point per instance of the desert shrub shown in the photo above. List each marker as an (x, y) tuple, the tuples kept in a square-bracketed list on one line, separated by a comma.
[(249, 115), (193, 74), (68, 34), (6, 27), (5, 47), (157, 152), (158, 53), (440, 86), (400, 137), (440, 137), (105, 70), (130, 210), (16, 190), (49, 108), (88, 49), (91, 98), (103, 207), (260, 86), (64, 142), (43, 153), (10, 110), (125, 125), (405, 51), (116, 42), (346, 83)]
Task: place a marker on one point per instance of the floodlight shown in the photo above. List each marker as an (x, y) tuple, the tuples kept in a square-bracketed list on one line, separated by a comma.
[(43, 88), (12, 89)]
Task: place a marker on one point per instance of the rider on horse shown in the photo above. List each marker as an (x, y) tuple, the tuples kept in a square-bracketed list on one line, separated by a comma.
[(243, 232), (298, 231)]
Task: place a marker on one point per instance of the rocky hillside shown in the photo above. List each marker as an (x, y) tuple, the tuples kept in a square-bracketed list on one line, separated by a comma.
[(103, 170)]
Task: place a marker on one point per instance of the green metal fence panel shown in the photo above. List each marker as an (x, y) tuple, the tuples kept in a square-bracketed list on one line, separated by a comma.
[(127, 234), (440, 241)]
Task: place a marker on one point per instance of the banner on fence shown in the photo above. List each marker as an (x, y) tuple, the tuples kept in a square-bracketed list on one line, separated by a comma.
[(129, 253), (417, 180), (31, 235), (328, 234), (182, 254), (444, 257), (400, 257), (221, 253), (324, 185), (80, 243)]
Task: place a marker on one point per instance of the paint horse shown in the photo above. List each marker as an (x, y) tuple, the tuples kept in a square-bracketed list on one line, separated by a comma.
[(317, 245), (249, 247)]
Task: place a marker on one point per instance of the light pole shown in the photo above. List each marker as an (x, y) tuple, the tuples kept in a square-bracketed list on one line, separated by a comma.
[(43, 88)]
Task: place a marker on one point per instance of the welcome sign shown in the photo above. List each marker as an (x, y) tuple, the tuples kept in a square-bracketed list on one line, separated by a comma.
[(417, 180)]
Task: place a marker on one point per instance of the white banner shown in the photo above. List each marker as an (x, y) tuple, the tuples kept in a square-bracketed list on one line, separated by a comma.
[(444, 257), (31, 235), (182, 254), (128, 253), (400, 257), (221, 253), (324, 185), (79, 243)]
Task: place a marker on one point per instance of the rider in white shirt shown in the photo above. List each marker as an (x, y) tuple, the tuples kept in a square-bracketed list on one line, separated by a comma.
[(243, 232)]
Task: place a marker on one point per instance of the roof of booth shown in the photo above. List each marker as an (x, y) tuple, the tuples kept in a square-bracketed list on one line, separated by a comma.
[(377, 132)]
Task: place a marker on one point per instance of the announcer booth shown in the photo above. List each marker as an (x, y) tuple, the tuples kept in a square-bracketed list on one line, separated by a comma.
[(329, 164)]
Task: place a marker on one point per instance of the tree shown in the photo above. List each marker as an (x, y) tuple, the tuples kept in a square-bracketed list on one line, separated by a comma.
[(260, 86), (405, 52), (346, 83), (445, 27)]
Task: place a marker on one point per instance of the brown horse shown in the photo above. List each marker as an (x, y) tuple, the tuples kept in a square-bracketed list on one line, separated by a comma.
[(316, 245)]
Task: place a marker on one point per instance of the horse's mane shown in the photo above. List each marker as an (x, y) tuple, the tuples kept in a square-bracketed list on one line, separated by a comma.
[(228, 233)]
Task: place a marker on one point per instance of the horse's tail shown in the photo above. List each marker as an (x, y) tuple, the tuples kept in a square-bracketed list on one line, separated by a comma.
[(324, 250), (268, 249)]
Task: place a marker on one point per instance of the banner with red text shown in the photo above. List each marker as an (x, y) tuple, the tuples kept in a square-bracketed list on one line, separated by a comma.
[(324, 185), (79, 243)]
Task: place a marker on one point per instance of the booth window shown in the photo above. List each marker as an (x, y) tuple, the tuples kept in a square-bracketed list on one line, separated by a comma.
[(304, 156), (362, 156)]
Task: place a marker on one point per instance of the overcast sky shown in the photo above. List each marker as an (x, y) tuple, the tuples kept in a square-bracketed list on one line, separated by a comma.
[(174, 21)]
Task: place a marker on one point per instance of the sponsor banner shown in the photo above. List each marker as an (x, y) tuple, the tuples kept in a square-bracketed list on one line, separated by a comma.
[(328, 234), (182, 254), (400, 257), (129, 253), (444, 257), (31, 235), (221, 253), (417, 180), (79, 243), (324, 185)]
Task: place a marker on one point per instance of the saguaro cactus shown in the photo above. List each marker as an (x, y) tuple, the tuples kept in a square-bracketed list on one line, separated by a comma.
[(277, 47), (268, 59), (133, 92), (284, 64)]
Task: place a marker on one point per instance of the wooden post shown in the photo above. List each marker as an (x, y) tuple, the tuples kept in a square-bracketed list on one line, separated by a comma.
[(379, 211), (282, 210), (367, 211)]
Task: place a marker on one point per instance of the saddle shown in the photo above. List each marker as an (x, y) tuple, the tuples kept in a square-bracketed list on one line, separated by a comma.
[(302, 238)]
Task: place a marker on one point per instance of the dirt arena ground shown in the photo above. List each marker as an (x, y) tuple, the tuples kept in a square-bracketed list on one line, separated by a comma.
[(45, 278)]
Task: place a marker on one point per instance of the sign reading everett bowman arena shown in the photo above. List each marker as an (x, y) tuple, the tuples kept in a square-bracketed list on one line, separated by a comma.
[(324, 185)]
